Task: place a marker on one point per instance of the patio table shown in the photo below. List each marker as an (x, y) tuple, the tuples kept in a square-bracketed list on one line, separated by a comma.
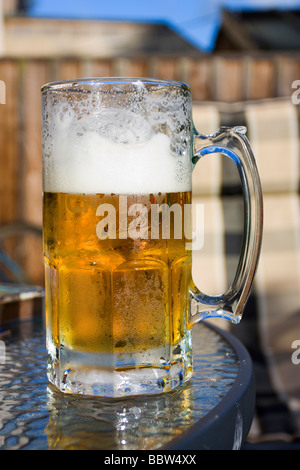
[(214, 410)]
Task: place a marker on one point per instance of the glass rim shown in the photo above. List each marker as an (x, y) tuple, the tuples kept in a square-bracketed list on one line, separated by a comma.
[(78, 84)]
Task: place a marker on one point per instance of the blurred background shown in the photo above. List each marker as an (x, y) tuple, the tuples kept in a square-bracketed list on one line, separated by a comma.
[(242, 61), (227, 51)]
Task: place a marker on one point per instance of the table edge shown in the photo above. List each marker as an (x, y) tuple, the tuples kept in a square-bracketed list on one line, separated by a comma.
[(208, 432)]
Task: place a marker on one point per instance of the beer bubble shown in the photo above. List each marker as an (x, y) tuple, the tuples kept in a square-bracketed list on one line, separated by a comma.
[(122, 126), (161, 383)]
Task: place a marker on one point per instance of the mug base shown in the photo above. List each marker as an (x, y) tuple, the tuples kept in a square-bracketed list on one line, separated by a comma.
[(80, 373)]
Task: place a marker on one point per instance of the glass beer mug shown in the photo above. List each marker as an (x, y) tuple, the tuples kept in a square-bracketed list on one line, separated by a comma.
[(118, 156)]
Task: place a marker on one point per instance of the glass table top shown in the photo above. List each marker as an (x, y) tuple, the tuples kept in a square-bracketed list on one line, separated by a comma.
[(34, 415)]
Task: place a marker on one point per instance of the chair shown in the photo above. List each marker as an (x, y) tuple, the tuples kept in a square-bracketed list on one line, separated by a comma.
[(19, 298), (270, 328)]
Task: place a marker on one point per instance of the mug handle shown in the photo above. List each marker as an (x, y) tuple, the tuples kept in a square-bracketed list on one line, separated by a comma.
[(232, 142)]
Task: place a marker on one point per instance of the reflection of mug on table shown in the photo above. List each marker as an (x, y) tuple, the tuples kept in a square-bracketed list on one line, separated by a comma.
[(120, 302)]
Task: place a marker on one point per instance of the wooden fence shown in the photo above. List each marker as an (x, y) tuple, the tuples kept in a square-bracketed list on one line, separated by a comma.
[(212, 78)]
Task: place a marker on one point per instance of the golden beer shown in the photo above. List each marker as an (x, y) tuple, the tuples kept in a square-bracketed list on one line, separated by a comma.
[(113, 295)]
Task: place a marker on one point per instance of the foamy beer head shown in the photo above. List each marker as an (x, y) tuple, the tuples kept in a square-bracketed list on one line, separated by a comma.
[(116, 136)]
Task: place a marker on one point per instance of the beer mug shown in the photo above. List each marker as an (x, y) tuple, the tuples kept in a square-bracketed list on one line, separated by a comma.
[(118, 155)]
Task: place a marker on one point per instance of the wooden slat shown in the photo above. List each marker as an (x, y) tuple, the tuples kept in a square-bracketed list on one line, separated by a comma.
[(288, 70), (201, 80), (99, 68), (165, 68), (9, 144), (68, 69), (29, 253), (260, 78), (228, 79), (34, 75), (127, 67)]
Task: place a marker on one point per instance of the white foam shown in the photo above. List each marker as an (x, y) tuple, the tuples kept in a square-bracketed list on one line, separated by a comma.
[(85, 159)]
